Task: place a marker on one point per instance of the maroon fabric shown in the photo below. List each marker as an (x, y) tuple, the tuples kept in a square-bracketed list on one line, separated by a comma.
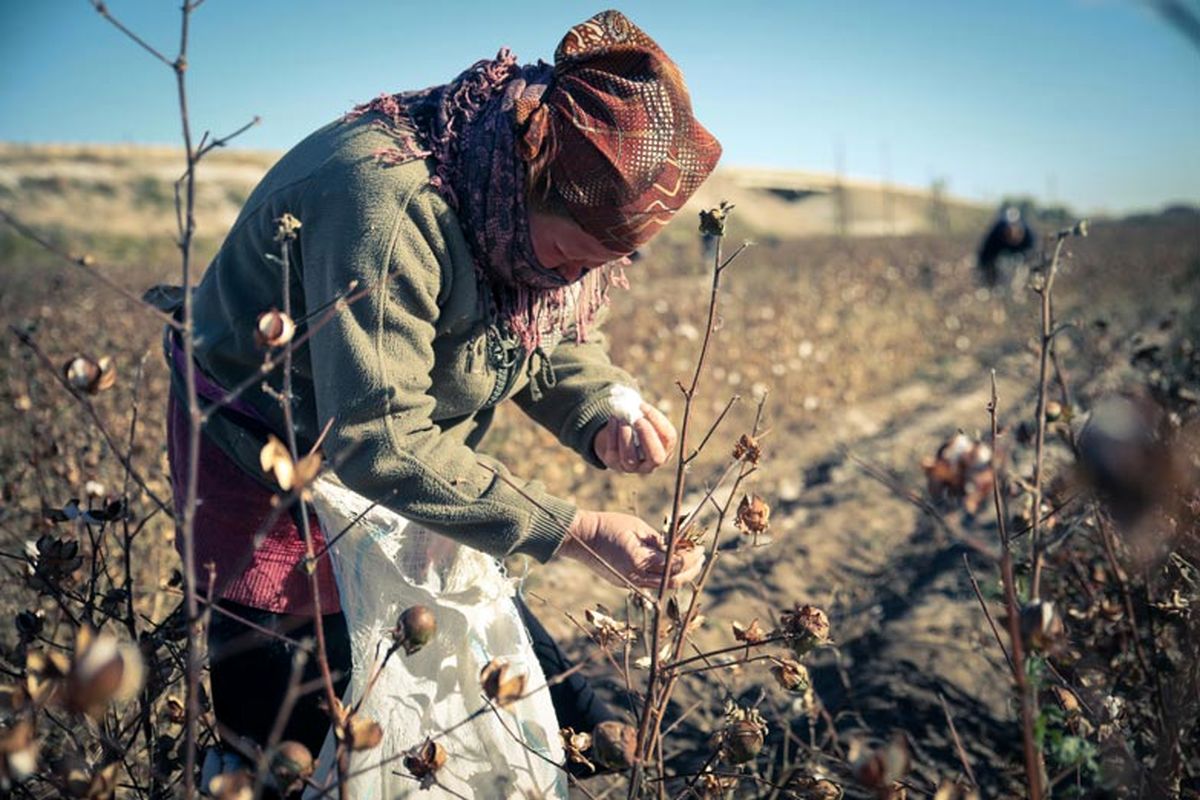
[(231, 508)]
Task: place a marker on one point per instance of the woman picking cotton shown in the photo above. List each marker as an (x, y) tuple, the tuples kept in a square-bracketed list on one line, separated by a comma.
[(479, 225)]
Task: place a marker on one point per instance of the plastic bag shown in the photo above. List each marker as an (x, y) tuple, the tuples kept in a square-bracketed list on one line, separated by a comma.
[(385, 564)]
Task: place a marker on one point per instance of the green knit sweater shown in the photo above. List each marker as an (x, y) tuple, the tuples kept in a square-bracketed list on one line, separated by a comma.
[(410, 373)]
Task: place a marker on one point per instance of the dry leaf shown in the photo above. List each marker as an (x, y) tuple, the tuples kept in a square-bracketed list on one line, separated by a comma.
[(750, 634)]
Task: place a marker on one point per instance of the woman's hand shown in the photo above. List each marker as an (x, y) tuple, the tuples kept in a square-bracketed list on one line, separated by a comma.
[(613, 544), (638, 448)]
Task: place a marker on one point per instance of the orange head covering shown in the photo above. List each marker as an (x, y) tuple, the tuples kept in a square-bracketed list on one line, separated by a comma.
[(616, 130)]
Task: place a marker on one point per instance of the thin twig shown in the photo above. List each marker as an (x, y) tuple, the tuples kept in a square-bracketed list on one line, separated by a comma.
[(102, 9), (651, 713), (1034, 768), (226, 139), (1045, 344), (962, 752), (988, 614)]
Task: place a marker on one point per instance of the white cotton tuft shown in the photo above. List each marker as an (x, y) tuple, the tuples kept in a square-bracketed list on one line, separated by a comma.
[(626, 403)]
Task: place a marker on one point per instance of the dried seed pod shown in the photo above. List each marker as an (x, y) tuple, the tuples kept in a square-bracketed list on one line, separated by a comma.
[(606, 629), (713, 786), (232, 785), (73, 774), (274, 329), (952, 790), (18, 754), (103, 785), (626, 403), (415, 628), (753, 515), (962, 472), (275, 458), (499, 687), (103, 670), (575, 745), (1042, 628), (742, 741), (362, 733), (29, 624), (286, 227), (45, 672), (424, 761), (747, 449), (712, 220), (54, 562), (806, 626), (880, 768), (85, 375), (791, 675), (810, 787), (174, 710), (291, 765), (614, 745), (1054, 411)]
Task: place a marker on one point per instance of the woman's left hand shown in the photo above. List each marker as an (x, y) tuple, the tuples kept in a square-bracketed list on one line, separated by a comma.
[(638, 448)]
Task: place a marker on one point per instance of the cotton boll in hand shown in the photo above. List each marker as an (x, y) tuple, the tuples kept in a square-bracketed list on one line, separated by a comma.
[(627, 408), (626, 403)]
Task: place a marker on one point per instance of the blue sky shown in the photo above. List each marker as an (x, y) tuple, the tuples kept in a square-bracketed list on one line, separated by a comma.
[(1090, 102)]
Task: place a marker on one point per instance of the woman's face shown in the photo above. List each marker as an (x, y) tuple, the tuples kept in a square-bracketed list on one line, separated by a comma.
[(561, 245)]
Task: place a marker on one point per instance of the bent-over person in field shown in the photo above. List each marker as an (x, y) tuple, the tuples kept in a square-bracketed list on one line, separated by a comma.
[(448, 250)]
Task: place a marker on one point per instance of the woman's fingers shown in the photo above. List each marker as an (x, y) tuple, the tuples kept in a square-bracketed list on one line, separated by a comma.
[(627, 448), (684, 569), (606, 445), (664, 430), (652, 446)]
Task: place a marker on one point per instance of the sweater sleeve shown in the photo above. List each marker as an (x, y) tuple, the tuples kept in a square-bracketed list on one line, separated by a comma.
[(577, 405), (372, 367)]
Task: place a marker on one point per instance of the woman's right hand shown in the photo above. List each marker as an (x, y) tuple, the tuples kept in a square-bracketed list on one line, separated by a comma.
[(613, 544)]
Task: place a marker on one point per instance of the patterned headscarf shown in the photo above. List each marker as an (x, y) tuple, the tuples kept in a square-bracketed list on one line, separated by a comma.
[(611, 125)]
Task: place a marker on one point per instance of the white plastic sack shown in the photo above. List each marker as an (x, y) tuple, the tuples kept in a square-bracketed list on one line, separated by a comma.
[(383, 565)]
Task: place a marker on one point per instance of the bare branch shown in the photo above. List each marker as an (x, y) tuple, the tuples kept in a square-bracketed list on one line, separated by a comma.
[(102, 10)]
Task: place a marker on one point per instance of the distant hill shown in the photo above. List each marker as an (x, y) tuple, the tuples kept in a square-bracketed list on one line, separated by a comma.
[(128, 190)]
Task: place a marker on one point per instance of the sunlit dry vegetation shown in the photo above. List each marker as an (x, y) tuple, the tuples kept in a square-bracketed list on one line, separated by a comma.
[(923, 580)]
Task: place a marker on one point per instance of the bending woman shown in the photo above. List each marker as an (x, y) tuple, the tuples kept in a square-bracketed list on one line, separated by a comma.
[(486, 219)]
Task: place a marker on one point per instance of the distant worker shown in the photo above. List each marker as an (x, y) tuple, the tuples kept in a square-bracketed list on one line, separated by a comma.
[(1009, 238)]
